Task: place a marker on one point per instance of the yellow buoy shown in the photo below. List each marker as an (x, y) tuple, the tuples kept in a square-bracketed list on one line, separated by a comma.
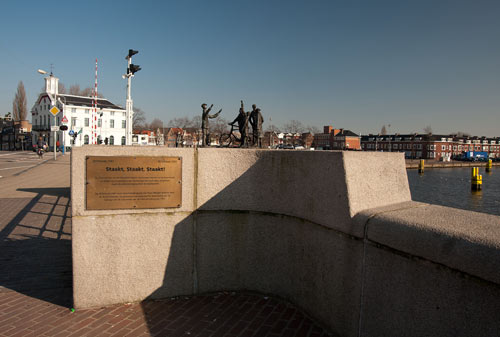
[(421, 166), (489, 165), (476, 179)]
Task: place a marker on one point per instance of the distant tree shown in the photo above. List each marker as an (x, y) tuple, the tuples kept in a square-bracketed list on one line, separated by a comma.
[(182, 122), (196, 122), (463, 134), (313, 129), (61, 88), (383, 131), (87, 92), (19, 104), (428, 130), (294, 126), (138, 119), (272, 127), (74, 90), (219, 125), (156, 124)]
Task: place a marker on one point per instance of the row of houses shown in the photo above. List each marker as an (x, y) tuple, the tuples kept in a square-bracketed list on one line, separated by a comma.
[(417, 146), (430, 146)]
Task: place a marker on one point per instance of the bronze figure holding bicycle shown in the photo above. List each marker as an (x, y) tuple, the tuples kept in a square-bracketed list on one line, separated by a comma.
[(244, 120)]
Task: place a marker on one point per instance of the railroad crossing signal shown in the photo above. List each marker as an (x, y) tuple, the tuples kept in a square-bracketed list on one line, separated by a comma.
[(54, 110)]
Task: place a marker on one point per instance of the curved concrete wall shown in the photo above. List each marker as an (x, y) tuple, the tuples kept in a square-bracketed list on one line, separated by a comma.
[(334, 232)]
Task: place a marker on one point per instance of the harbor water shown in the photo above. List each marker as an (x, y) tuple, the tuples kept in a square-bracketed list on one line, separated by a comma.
[(452, 187)]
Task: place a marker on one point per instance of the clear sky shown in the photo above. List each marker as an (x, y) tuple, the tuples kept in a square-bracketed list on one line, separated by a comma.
[(351, 64)]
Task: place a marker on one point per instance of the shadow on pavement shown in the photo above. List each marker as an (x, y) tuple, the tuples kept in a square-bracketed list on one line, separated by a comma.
[(54, 191), (35, 246)]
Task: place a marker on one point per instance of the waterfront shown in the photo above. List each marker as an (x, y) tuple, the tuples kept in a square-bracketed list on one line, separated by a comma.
[(451, 187)]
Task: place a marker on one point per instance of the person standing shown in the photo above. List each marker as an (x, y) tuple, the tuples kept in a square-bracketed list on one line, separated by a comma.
[(256, 120), (205, 136), (242, 120)]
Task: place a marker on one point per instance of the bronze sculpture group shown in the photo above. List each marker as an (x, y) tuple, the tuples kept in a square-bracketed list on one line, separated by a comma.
[(245, 119)]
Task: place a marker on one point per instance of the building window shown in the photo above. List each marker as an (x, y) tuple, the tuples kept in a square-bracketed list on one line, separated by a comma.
[(112, 113), (73, 110), (111, 140), (86, 122), (86, 139), (87, 111), (124, 114), (443, 147), (111, 123), (99, 122), (123, 140), (73, 121), (124, 124), (57, 120)]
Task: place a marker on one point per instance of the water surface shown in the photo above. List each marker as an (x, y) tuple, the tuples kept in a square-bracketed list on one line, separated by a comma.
[(451, 187)]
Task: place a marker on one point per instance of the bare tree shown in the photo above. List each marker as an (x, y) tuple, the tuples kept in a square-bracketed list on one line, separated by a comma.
[(294, 126), (61, 88), (156, 124), (383, 131), (219, 125), (196, 122), (428, 130), (138, 119), (313, 129), (87, 92), (181, 122), (74, 90), (19, 104), (463, 134), (272, 128)]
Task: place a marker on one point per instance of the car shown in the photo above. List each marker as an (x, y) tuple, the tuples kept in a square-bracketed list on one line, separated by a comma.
[(288, 147)]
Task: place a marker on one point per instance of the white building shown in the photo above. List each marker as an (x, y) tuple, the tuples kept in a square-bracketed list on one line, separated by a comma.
[(78, 110)]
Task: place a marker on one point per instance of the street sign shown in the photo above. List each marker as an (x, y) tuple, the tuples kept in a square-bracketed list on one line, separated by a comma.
[(54, 128), (71, 132), (54, 110), (64, 120)]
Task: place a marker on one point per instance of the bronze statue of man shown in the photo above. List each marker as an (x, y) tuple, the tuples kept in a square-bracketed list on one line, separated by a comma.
[(205, 135), (242, 120), (256, 120)]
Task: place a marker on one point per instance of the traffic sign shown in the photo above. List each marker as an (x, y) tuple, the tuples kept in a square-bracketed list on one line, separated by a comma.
[(54, 110), (71, 132), (64, 120), (54, 128)]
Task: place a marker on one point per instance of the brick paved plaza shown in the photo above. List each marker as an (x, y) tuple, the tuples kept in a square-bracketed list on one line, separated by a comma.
[(36, 279)]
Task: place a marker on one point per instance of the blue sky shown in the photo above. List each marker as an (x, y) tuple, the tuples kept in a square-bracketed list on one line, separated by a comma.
[(351, 64)]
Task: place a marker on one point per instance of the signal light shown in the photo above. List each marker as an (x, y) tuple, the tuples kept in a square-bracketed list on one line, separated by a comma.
[(132, 52), (63, 127), (133, 68)]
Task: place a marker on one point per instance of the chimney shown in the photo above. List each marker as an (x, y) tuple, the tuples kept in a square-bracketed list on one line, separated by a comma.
[(327, 129)]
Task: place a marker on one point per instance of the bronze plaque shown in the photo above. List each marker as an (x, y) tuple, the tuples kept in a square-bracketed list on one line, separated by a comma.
[(133, 182)]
